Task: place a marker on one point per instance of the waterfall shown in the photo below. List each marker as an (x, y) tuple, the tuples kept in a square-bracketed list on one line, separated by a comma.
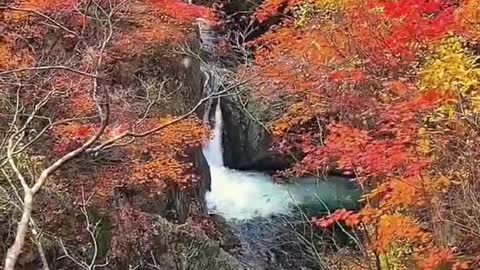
[(246, 195), (261, 213), (213, 149), (235, 194)]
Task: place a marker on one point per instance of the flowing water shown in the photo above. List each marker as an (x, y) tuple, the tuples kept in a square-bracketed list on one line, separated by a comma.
[(239, 195), (244, 195)]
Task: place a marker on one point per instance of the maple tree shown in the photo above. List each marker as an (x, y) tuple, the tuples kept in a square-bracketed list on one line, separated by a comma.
[(386, 91), (63, 98), (380, 90)]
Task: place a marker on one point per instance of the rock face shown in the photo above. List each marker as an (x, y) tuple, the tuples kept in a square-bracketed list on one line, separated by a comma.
[(183, 201), (180, 247), (173, 247), (246, 142)]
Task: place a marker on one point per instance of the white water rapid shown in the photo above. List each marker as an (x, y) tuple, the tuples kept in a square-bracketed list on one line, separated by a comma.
[(240, 195)]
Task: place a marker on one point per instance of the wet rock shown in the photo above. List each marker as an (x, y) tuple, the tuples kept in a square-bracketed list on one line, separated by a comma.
[(246, 142), (228, 240)]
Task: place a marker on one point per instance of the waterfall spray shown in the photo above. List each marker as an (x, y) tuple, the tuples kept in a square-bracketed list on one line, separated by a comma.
[(245, 195), (235, 194), (213, 149)]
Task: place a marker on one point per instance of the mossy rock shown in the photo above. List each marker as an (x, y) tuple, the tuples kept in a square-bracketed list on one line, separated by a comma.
[(185, 247)]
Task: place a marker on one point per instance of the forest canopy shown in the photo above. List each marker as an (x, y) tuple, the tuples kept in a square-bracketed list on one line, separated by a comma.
[(102, 97), (387, 91)]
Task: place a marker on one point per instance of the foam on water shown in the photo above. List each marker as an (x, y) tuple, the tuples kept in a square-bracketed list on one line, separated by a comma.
[(237, 194), (245, 195)]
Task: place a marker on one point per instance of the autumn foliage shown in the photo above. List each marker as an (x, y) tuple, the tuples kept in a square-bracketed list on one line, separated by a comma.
[(183, 11), (385, 91), (63, 65), (381, 90)]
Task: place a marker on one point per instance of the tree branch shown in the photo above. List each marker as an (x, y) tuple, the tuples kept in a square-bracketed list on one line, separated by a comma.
[(65, 68), (29, 192), (111, 142), (59, 25)]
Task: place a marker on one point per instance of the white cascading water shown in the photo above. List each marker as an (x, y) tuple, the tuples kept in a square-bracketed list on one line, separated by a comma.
[(212, 150), (240, 195)]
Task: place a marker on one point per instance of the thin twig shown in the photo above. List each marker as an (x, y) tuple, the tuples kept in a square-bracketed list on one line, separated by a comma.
[(56, 23), (42, 68)]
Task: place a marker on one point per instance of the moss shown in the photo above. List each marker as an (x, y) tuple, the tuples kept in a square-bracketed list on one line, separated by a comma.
[(184, 247), (103, 232)]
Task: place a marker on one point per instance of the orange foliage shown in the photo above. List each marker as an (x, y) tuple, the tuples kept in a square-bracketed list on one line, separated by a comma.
[(159, 22), (72, 130), (70, 136), (272, 7), (183, 11), (290, 53), (47, 5), (398, 194), (167, 151), (81, 104), (352, 76), (468, 18), (399, 229), (298, 114), (150, 22), (339, 215), (149, 33), (61, 47), (438, 258), (11, 58), (380, 39)]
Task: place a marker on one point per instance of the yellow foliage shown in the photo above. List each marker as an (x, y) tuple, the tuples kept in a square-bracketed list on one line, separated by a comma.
[(423, 146), (334, 5), (455, 74), (393, 258), (305, 10), (450, 70)]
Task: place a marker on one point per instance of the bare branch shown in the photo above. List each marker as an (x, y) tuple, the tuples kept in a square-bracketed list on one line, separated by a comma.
[(56, 23), (111, 142), (91, 228), (103, 109), (65, 68)]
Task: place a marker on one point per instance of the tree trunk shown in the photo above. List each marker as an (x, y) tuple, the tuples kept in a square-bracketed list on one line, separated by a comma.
[(22, 229)]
